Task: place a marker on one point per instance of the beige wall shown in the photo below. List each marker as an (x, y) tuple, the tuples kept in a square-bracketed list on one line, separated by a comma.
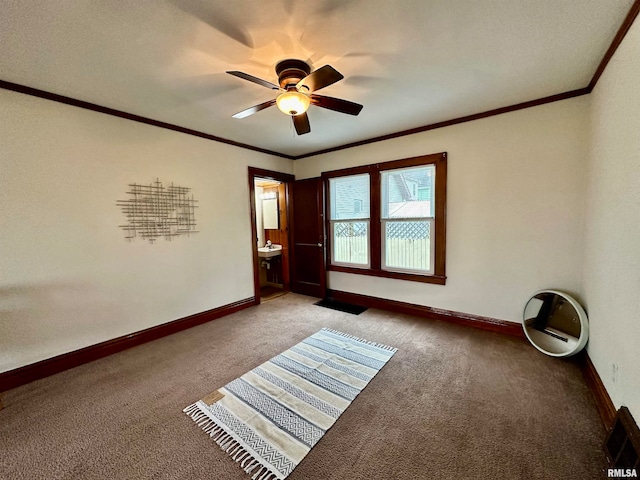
[(515, 196), (68, 277), (612, 242)]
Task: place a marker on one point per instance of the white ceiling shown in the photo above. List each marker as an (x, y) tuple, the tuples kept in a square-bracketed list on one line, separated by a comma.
[(409, 62)]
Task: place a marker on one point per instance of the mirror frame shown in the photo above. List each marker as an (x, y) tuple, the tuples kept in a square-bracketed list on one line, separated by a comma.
[(582, 316)]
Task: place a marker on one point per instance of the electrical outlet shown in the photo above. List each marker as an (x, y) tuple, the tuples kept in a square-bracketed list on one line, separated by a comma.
[(614, 373)]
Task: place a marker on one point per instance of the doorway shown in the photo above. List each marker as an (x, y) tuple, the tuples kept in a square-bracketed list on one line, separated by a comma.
[(270, 194)]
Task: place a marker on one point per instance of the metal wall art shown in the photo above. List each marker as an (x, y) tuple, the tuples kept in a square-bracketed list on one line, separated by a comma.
[(155, 211)]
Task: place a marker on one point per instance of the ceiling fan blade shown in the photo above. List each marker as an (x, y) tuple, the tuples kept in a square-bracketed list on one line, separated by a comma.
[(251, 78), (301, 122), (337, 104), (254, 109), (320, 78)]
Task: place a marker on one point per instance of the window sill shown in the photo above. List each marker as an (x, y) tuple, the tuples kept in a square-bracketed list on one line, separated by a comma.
[(435, 279)]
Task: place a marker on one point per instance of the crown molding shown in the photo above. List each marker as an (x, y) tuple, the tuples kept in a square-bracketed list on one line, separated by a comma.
[(35, 92), (617, 40), (453, 121)]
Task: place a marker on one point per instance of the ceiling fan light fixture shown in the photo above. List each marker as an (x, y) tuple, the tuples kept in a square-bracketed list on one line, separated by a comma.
[(297, 85), (293, 102)]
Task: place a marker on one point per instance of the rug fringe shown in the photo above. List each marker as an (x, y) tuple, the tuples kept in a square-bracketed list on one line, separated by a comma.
[(230, 445), (366, 342)]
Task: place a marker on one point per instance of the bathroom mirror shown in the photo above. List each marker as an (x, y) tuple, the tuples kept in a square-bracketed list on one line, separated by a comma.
[(270, 214), (555, 323)]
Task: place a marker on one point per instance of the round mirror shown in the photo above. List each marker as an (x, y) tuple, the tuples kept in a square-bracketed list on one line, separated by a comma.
[(555, 323)]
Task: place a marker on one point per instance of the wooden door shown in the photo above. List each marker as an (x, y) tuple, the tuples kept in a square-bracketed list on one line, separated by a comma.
[(308, 275)]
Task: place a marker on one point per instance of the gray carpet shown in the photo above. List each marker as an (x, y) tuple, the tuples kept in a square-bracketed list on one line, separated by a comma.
[(453, 403)]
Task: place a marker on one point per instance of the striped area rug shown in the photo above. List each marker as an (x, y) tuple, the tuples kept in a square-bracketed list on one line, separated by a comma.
[(270, 418)]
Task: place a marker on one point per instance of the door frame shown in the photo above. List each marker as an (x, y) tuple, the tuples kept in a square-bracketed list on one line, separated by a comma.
[(287, 180)]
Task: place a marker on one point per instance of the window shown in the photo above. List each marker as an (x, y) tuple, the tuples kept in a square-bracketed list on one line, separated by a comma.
[(388, 219), (406, 222), (349, 220)]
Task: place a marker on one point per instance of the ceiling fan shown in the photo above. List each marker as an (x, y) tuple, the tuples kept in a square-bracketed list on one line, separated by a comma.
[(297, 85)]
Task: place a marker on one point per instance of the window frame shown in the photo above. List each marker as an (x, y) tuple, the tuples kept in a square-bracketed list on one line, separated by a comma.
[(439, 161), (329, 223)]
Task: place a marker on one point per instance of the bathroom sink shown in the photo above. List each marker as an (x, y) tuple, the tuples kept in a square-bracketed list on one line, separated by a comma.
[(266, 252)]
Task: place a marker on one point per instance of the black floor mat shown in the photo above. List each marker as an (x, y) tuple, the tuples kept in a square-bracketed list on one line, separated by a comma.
[(343, 307)]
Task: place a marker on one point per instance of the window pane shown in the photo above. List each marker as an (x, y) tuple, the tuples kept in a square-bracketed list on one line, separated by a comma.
[(408, 192), (407, 245), (351, 242), (349, 197)]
